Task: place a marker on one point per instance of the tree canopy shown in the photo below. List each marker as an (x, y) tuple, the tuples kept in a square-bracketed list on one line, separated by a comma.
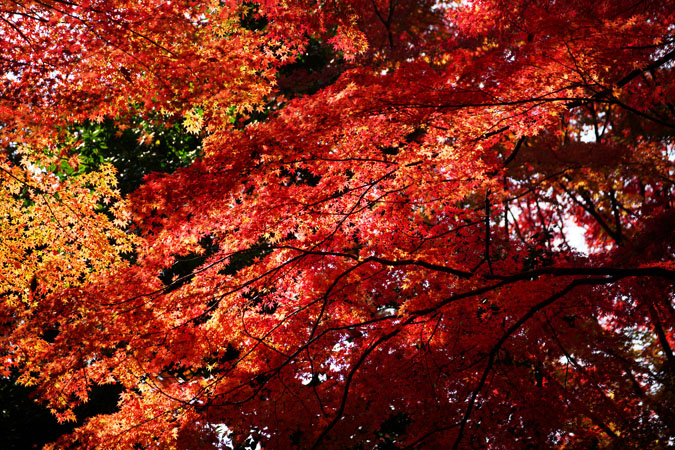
[(369, 223)]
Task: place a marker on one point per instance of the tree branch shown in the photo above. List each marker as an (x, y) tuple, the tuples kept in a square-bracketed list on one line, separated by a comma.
[(511, 330)]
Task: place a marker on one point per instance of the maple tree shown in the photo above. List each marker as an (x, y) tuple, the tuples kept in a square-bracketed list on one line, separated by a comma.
[(375, 248)]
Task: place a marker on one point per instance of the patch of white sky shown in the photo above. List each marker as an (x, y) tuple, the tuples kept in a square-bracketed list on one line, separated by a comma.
[(224, 437), (574, 235)]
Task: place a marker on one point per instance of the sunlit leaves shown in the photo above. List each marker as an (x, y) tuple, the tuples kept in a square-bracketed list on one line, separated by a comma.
[(380, 254)]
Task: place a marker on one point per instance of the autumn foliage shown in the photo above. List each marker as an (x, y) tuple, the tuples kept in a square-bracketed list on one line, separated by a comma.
[(412, 224)]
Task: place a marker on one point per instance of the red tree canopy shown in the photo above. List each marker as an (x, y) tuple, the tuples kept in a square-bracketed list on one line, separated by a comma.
[(414, 224)]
